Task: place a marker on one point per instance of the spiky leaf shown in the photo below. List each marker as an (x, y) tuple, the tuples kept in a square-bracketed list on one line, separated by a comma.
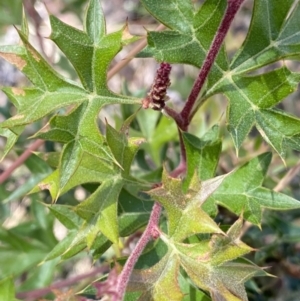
[(241, 192), (251, 98)]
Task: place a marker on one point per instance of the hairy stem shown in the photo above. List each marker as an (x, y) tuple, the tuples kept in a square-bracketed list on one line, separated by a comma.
[(231, 10), (183, 118), (176, 116), (179, 170), (132, 259)]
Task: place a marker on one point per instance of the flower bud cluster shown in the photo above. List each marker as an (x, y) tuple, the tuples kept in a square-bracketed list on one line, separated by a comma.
[(157, 95)]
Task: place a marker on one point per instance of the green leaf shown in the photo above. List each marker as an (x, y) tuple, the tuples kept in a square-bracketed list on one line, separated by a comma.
[(251, 101), (202, 154), (24, 27), (93, 47), (39, 171), (184, 210), (129, 223), (133, 214), (95, 22), (40, 213), (122, 149), (91, 51), (159, 283), (81, 136), (10, 13), (190, 35), (66, 215), (208, 263), (153, 253), (157, 131), (102, 206), (191, 293), (16, 242), (40, 277), (251, 98), (18, 254), (11, 136), (241, 192), (270, 38), (225, 282), (73, 241), (229, 247), (89, 171), (50, 91), (7, 290)]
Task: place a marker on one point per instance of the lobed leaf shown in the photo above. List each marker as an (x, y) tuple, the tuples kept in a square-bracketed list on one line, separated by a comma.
[(90, 232), (91, 51), (158, 283), (241, 192), (191, 32), (93, 48), (49, 92), (208, 263), (86, 157), (122, 148), (271, 37), (202, 154), (102, 206), (251, 98), (184, 210)]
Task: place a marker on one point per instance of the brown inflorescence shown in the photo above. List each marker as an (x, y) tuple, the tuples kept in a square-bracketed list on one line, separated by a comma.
[(157, 96)]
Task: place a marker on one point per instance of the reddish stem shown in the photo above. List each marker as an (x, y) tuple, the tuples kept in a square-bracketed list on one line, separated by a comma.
[(40, 292), (179, 170), (132, 259), (173, 114), (183, 118), (182, 149), (27, 153), (231, 10)]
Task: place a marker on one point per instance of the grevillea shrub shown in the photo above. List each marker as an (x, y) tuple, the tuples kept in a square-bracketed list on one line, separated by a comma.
[(168, 208)]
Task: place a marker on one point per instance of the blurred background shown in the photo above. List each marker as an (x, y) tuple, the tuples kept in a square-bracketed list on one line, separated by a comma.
[(278, 242)]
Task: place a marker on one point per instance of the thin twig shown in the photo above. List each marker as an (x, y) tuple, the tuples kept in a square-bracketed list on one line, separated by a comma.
[(37, 22), (179, 170), (27, 153), (140, 246), (141, 45), (38, 293), (287, 178)]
